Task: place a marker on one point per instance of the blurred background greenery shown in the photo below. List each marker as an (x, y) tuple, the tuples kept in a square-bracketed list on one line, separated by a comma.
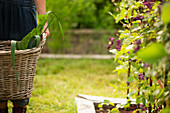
[(91, 21)]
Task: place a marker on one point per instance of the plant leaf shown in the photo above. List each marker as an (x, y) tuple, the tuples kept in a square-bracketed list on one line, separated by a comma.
[(61, 29), (130, 79), (13, 46), (152, 53), (166, 110), (139, 99), (34, 41), (131, 93), (38, 39), (31, 42), (165, 13)]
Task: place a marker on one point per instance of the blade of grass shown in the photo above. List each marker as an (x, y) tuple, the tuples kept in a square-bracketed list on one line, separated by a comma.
[(61, 29)]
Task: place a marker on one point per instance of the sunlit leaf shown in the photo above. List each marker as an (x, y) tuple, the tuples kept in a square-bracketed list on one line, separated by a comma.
[(165, 13), (130, 79), (166, 110), (152, 53), (132, 93), (114, 110)]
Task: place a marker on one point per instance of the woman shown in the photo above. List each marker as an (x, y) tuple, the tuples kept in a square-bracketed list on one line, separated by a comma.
[(17, 19)]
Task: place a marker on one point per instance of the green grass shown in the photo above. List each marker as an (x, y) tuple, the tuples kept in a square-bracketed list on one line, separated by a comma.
[(58, 81)]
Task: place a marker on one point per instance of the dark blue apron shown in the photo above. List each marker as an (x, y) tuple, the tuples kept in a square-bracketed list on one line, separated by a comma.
[(17, 19)]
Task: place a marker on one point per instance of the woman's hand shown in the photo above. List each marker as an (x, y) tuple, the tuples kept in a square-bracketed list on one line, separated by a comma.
[(47, 32)]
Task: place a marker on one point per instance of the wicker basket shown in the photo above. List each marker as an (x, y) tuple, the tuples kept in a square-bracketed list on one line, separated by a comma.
[(26, 62)]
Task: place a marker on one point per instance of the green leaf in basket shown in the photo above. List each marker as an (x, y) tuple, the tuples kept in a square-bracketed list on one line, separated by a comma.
[(59, 24), (26, 41), (36, 31), (34, 41), (13, 46), (37, 40), (33, 38), (31, 43)]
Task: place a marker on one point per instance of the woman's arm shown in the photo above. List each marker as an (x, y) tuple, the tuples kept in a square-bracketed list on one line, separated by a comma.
[(41, 8)]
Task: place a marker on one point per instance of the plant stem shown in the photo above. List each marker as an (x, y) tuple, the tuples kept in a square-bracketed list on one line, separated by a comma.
[(138, 105), (165, 83), (167, 68), (150, 107), (128, 77)]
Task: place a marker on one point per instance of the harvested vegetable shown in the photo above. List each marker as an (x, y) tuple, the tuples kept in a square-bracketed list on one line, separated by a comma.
[(33, 38)]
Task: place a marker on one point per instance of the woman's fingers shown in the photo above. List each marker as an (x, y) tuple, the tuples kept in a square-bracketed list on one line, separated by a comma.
[(47, 32)]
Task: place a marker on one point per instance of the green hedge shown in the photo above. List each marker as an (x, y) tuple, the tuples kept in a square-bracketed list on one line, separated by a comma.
[(78, 14), (83, 13)]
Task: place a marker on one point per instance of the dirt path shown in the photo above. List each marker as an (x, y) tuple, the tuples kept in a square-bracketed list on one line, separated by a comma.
[(76, 56)]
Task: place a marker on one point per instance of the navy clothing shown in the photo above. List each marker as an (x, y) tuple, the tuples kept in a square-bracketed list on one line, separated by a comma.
[(17, 19)]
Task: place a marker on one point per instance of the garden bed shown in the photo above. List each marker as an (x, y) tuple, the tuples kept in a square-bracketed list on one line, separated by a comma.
[(89, 104)]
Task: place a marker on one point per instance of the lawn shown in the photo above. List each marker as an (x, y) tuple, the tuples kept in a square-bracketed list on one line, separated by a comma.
[(58, 81)]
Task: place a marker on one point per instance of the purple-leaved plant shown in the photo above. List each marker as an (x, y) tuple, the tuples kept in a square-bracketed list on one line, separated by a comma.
[(139, 17), (138, 42), (141, 76), (118, 45), (110, 43)]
